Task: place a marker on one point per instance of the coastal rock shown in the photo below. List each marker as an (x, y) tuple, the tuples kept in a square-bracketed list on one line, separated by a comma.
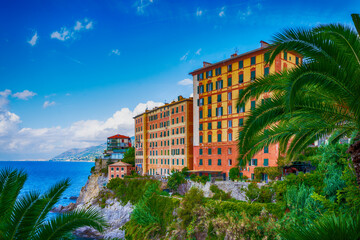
[(62, 209), (73, 198), (92, 188)]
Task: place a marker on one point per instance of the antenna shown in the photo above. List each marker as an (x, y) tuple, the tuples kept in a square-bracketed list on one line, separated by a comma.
[(236, 50)]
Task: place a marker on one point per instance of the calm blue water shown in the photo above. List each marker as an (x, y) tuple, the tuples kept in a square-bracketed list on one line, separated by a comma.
[(42, 175)]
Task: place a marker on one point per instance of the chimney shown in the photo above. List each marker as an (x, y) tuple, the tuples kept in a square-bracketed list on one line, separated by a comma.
[(233, 55), (206, 64), (264, 44)]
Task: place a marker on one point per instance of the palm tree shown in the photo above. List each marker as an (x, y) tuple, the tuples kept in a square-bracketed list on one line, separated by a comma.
[(315, 99), (24, 217)]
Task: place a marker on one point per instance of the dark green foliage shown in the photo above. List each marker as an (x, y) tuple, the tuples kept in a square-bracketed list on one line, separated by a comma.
[(129, 156), (129, 189), (92, 169), (234, 173), (333, 226), (24, 217), (255, 194), (152, 215), (219, 194), (176, 178), (193, 198)]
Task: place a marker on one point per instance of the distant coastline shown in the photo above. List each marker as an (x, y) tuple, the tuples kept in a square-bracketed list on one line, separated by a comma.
[(44, 160)]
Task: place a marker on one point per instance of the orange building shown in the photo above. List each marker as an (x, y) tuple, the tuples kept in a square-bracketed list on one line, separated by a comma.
[(119, 170), (163, 138), (217, 120)]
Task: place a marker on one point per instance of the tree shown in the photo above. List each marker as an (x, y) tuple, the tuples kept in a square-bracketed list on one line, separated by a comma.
[(129, 156), (315, 99), (234, 173), (175, 179), (24, 216)]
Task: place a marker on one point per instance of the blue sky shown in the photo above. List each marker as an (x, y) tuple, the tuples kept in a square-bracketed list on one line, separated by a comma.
[(87, 65)]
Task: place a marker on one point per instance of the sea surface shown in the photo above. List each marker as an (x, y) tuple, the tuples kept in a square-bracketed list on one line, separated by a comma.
[(42, 175)]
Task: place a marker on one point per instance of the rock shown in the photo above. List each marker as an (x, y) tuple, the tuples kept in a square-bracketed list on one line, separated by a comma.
[(73, 198), (62, 209), (64, 197)]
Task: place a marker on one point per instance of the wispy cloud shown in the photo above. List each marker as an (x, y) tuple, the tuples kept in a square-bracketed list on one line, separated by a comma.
[(48, 104), (34, 39), (115, 52), (198, 51), (66, 33), (222, 12), (244, 14), (50, 95), (141, 5), (185, 82), (199, 12), (183, 58), (5, 93), (24, 95)]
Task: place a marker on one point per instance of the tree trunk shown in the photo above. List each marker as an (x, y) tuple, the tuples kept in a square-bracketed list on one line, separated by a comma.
[(354, 151)]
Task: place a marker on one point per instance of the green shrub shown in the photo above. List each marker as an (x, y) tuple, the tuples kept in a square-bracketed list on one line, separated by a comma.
[(234, 173), (193, 198), (219, 194), (175, 179)]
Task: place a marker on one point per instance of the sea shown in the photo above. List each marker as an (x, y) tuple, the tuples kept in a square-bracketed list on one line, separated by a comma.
[(42, 175)]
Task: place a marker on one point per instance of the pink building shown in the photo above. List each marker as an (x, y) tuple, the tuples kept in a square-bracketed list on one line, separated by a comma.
[(119, 170)]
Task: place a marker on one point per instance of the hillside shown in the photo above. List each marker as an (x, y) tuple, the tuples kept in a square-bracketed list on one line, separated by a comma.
[(81, 154)]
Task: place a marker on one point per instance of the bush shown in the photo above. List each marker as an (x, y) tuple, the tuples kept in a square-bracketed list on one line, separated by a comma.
[(219, 194), (255, 194), (234, 173), (176, 178), (192, 199)]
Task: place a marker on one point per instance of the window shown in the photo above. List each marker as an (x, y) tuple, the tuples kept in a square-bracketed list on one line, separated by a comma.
[(229, 68), (253, 75), (229, 150), (209, 162), (200, 151), (229, 123), (285, 55), (229, 82), (200, 162), (200, 115), (177, 109), (266, 149), (253, 162), (209, 100), (266, 56), (182, 109), (219, 98), (219, 125), (177, 161), (266, 162), (209, 151), (241, 78), (230, 162), (296, 60), (218, 71), (209, 74), (241, 64), (182, 161), (229, 95), (200, 76), (219, 84), (252, 176), (209, 126), (230, 136), (201, 102), (209, 112), (219, 137), (219, 162), (253, 105), (230, 109), (112, 175), (182, 119), (112, 169), (241, 122), (209, 138), (219, 151), (201, 139), (200, 126), (219, 111), (266, 71), (242, 108), (253, 60)]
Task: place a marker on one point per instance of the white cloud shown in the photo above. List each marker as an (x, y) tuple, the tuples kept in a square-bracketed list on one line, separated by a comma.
[(183, 58), (5, 93), (185, 82), (33, 40), (115, 52), (67, 33), (191, 94), (245, 14), (198, 51), (222, 12), (78, 26), (199, 12), (24, 95), (141, 5), (63, 35), (48, 142), (48, 104)]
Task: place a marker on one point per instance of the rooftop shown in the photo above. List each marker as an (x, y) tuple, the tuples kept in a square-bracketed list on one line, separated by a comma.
[(118, 136), (121, 164)]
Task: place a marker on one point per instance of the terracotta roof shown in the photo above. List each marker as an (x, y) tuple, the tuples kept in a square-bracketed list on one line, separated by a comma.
[(119, 136), (121, 164)]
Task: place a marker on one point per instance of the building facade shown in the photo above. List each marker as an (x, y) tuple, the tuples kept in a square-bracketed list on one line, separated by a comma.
[(164, 138), (217, 119), (117, 145), (119, 170)]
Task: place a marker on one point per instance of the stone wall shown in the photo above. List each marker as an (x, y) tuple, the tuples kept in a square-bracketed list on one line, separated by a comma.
[(226, 186)]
